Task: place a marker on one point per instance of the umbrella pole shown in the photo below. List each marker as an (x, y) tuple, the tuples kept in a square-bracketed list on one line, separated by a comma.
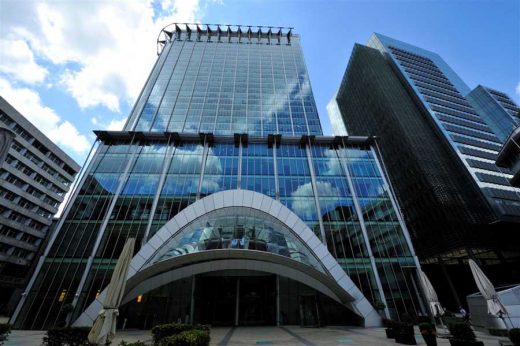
[(501, 315), (504, 320), (441, 322), (510, 321)]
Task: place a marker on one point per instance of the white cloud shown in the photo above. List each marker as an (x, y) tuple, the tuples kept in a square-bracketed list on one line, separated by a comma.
[(116, 125), (29, 104), (113, 125), (112, 42), (17, 61), (518, 89)]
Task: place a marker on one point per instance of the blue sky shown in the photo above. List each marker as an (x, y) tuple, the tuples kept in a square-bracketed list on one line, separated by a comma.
[(90, 59)]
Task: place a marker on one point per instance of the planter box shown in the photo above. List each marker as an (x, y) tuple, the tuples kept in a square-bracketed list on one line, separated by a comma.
[(455, 342), (405, 334), (430, 340), (406, 339), (390, 333)]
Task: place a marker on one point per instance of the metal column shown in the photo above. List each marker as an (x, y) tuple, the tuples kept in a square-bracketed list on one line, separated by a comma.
[(82, 176), (192, 302), (359, 213), (103, 226), (237, 302), (202, 166), (166, 164), (275, 169), (278, 300), (239, 168), (393, 199), (315, 188)]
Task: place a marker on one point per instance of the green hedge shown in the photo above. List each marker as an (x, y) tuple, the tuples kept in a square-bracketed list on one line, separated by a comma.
[(462, 331), (514, 336), (498, 332), (69, 336), (193, 337), (390, 323), (5, 329), (165, 330), (135, 343), (427, 328)]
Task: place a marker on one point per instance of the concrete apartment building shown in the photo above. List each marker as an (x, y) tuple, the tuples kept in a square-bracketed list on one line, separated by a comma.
[(35, 175)]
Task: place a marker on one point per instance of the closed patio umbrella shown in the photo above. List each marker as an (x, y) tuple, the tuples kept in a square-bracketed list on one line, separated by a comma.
[(104, 328), (494, 306), (431, 296)]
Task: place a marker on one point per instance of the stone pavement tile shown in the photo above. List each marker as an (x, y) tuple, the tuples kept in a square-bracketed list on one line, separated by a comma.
[(219, 335), (262, 336), (132, 335), (287, 335), (25, 338), (343, 336)]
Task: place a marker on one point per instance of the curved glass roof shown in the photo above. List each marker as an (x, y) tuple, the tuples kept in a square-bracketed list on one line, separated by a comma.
[(237, 228)]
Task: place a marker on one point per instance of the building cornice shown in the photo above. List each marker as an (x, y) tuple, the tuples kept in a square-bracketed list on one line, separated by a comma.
[(109, 137), (223, 33)]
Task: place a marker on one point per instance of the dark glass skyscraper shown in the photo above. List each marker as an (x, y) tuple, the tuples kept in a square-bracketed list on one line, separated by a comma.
[(244, 213), (509, 156), (440, 157), (497, 109)]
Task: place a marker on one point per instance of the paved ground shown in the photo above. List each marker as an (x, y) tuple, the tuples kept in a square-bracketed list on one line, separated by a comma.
[(287, 335)]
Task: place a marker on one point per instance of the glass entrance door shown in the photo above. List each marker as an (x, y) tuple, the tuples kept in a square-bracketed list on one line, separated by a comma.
[(215, 299), (257, 305), (218, 299), (309, 312)]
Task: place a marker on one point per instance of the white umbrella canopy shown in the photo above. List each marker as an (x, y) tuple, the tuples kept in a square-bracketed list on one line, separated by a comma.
[(431, 295), (487, 290), (104, 328)]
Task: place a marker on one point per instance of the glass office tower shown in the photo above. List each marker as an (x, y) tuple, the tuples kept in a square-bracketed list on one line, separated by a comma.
[(244, 213), (440, 155), (441, 92), (227, 82), (497, 109)]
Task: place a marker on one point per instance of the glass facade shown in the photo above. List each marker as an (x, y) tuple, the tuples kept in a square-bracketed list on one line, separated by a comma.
[(236, 228), (209, 83), (434, 148), (497, 109), (134, 189), (476, 143), (142, 177)]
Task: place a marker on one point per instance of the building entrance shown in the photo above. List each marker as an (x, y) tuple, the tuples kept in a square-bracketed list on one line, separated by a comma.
[(235, 300)]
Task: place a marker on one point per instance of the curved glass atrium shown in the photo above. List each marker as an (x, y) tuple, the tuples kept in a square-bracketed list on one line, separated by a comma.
[(237, 228)]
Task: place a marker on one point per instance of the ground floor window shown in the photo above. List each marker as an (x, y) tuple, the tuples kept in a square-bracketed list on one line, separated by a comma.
[(235, 298)]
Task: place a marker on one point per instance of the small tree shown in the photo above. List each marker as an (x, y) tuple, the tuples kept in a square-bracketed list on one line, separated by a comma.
[(379, 306), (5, 329)]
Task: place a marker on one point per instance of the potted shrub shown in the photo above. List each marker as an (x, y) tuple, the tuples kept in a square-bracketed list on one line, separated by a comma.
[(379, 306), (5, 329), (194, 337), (71, 336), (390, 326), (428, 333), (172, 332), (514, 336), (133, 343), (404, 333), (463, 335)]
